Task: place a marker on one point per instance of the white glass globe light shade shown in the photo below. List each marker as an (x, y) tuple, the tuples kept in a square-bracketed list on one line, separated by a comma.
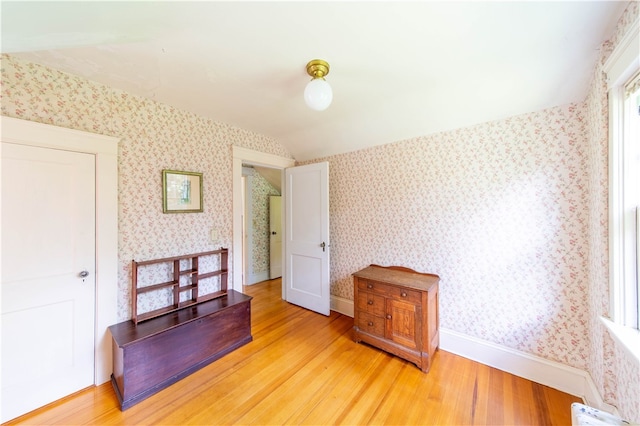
[(318, 94)]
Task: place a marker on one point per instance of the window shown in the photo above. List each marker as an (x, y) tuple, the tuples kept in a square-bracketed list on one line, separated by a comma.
[(623, 72), (629, 309)]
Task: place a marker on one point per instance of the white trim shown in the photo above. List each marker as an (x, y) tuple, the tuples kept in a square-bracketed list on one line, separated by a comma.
[(258, 278), (248, 156), (616, 197), (248, 277), (623, 62), (549, 373), (626, 337), (625, 58), (105, 149), (342, 305), (593, 398)]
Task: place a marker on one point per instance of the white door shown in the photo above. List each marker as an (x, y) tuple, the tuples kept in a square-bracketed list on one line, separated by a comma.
[(275, 236), (48, 309), (307, 237)]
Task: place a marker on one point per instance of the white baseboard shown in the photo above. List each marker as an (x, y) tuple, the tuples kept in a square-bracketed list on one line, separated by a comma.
[(342, 305), (537, 369), (593, 398), (550, 373), (257, 278)]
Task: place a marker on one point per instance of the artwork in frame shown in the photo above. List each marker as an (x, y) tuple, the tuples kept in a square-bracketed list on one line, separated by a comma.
[(181, 192)]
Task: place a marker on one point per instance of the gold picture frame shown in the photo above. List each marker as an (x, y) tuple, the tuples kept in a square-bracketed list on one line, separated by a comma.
[(181, 192)]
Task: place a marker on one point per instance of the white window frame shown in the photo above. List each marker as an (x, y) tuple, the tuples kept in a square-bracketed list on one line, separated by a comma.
[(623, 63)]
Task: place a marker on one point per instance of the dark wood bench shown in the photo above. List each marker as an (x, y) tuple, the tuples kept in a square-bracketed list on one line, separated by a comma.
[(156, 353), (157, 348)]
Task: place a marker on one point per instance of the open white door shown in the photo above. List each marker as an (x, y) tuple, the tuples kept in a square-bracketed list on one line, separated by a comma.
[(307, 237)]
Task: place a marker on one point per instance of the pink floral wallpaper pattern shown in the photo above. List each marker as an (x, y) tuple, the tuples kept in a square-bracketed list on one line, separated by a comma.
[(497, 210), (153, 137), (511, 214)]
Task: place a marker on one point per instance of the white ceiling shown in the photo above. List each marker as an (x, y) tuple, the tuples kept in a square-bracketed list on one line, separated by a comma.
[(398, 69)]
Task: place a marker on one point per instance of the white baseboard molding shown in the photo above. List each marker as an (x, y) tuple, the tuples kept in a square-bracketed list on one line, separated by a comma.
[(593, 398), (342, 306), (537, 369), (257, 278)]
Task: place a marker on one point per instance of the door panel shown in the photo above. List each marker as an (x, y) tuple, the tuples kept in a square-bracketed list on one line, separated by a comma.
[(307, 237), (48, 238), (308, 273), (402, 323)]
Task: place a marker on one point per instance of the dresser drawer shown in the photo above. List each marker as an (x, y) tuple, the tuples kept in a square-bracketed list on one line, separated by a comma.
[(371, 324), (387, 290), (371, 303)]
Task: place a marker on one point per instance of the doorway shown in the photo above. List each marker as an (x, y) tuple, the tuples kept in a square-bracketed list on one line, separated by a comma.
[(307, 214), (248, 157), (261, 186), (105, 151)]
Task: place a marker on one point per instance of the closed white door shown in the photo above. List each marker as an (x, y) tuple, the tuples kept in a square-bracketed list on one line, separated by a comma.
[(48, 245), (275, 236), (307, 237)]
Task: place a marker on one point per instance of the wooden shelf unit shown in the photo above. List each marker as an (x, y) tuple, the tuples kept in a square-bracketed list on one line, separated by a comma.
[(174, 284)]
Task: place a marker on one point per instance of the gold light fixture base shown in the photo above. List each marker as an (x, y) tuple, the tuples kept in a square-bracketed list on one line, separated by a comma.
[(317, 68)]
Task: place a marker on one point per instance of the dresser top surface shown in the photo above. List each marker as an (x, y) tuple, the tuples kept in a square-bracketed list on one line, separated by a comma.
[(407, 278)]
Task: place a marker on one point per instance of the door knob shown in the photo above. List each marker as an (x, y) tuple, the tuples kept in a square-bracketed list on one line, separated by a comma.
[(84, 274), (323, 245)]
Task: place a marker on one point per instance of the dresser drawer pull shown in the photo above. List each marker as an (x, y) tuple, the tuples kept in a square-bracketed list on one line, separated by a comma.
[(369, 285), (403, 294), (369, 302), (388, 316), (370, 323)]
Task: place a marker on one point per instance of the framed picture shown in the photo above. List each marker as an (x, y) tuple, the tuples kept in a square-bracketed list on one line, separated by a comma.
[(181, 192)]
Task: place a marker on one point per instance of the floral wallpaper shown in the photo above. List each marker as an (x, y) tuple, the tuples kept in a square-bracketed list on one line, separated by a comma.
[(614, 371), (153, 137), (512, 214), (261, 189), (498, 210)]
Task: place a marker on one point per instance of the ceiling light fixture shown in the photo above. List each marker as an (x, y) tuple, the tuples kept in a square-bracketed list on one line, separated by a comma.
[(318, 94)]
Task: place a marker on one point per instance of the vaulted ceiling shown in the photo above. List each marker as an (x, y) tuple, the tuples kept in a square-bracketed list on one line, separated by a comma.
[(398, 69)]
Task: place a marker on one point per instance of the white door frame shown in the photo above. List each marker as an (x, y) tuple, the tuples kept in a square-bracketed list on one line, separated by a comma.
[(105, 149), (248, 156)]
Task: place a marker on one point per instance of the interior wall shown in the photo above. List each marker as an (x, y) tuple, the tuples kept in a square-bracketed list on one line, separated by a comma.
[(512, 215), (613, 369), (498, 210), (153, 137)]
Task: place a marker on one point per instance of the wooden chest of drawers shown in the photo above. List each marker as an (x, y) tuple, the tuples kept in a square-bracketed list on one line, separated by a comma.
[(396, 310)]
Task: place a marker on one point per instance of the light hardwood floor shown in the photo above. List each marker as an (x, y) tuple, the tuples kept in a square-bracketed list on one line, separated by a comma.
[(304, 368)]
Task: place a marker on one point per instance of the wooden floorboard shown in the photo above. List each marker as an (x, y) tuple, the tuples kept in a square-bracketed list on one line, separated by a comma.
[(304, 368)]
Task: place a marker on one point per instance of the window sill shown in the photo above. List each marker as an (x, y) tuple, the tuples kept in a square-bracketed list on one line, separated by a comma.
[(627, 337)]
